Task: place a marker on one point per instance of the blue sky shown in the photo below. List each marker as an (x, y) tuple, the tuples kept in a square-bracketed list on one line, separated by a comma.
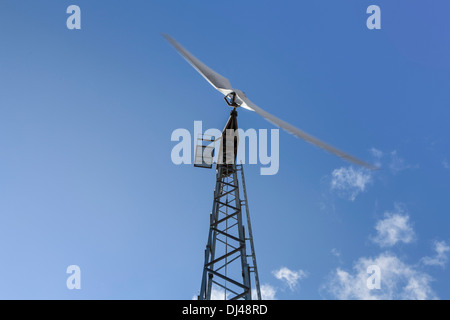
[(87, 115)]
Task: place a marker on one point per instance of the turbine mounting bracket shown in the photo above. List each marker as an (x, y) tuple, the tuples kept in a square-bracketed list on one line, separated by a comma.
[(231, 99)]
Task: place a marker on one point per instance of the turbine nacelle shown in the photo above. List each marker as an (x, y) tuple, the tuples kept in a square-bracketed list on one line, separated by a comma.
[(233, 99)]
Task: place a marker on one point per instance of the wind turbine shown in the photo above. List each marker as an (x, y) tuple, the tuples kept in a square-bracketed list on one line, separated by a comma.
[(236, 98), (226, 265)]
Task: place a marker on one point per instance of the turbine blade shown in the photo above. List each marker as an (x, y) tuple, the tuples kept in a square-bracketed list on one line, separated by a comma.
[(216, 80), (301, 134)]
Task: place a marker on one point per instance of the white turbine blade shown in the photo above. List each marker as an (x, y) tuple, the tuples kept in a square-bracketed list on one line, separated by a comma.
[(216, 80), (301, 134)]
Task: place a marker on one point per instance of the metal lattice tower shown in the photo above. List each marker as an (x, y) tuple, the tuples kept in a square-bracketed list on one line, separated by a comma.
[(227, 241), (230, 241)]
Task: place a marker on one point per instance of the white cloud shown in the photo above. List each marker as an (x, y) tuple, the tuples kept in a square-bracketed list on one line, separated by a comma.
[(219, 294), (398, 164), (267, 292), (335, 252), (289, 277), (399, 281), (392, 160), (377, 154), (216, 294), (445, 164), (350, 181), (441, 258), (394, 228)]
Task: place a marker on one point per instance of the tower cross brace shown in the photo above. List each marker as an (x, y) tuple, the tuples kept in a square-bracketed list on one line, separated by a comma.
[(227, 271)]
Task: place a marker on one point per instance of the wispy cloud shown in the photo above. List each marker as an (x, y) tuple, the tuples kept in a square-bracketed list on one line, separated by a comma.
[(398, 164), (350, 182), (391, 160), (377, 154), (289, 277), (335, 252), (399, 281), (219, 294), (441, 257), (216, 294), (394, 228), (267, 292), (445, 164)]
